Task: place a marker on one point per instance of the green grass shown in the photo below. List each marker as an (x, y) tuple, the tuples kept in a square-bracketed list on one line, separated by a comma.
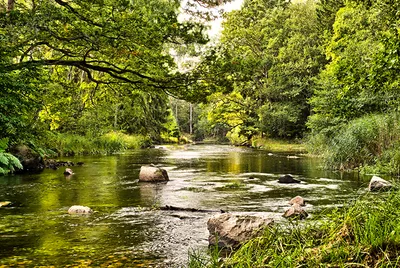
[(364, 234), (275, 145), (371, 143), (69, 144)]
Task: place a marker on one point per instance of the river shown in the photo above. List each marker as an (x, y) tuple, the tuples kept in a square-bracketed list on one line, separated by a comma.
[(127, 229)]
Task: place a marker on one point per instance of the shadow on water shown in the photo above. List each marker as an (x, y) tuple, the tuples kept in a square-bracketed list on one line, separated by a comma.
[(127, 228)]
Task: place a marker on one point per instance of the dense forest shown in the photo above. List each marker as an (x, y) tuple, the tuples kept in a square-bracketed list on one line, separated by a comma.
[(99, 76)]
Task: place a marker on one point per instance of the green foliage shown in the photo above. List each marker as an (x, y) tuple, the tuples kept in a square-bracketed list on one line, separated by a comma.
[(113, 142), (88, 68), (365, 233), (8, 162), (366, 141), (273, 50)]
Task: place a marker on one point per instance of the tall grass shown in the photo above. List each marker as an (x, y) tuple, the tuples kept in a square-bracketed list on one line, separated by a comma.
[(70, 144), (365, 234), (371, 142)]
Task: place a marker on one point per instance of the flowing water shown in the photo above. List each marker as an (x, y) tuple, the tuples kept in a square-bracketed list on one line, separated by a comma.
[(127, 229)]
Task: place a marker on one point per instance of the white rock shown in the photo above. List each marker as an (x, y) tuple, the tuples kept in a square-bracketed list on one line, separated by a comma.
[(378, 184), (80, 210)]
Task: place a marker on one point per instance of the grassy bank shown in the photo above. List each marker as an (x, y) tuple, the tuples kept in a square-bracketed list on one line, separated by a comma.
[(370, 143), (69, 144), (275, 145), (364, 234)]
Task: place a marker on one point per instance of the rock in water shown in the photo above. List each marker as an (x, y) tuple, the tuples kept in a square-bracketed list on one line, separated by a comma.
[(229, 231), (30, 160), (80, 210), (296, 211), (288, 179), (153, 174), (5, 204), (379, 184), (68, 172), (297, 200)]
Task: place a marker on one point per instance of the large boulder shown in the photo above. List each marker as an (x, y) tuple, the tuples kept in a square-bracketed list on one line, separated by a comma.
[(80, 210), (153, 174), (288, 179), (379, 184), (297, 200), (30, 160), (230, 231), (296, 212)]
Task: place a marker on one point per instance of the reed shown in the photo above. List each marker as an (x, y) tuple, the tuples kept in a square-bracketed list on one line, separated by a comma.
[(370, 143)]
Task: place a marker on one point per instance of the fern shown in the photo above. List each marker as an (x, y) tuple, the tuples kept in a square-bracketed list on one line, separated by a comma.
[(8, 163), (3, 144), (3, 159), (3, 171), (13, 161)]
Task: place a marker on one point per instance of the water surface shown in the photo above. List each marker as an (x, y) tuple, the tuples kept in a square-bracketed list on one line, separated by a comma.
[(128, 229)]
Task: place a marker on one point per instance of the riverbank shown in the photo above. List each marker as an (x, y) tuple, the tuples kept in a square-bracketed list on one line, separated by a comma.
[(275, 145), (363, 234)]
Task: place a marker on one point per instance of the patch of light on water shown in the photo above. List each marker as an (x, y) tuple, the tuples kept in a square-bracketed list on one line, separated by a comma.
[(256, 188), (255, 174), (183, 155)]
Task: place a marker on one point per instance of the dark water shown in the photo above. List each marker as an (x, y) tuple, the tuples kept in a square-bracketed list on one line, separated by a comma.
[(127, 229)]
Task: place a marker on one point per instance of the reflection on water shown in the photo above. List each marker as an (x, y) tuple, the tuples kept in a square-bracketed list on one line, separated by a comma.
[(127, 229)]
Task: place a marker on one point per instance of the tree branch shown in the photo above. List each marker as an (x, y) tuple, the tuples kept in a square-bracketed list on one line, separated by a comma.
[(67, 6)]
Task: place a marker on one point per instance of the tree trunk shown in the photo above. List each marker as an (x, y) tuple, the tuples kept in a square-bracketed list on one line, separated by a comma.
[(10, 5), (190, 118), (116, 116)]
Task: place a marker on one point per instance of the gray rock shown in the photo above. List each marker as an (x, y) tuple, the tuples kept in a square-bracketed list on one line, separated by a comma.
[(295, 211), (152, 174), (230, 231), (288, 179), (297, 200), (30, 160), (379, 184), (80, 210)]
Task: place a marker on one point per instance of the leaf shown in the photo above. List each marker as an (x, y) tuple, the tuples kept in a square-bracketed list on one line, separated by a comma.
[(14, 161), (4, 159), (3, 144)]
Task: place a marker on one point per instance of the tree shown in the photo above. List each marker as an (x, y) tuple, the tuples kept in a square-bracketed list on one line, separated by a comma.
[(92, 65), (274, 51), (361, 77)]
